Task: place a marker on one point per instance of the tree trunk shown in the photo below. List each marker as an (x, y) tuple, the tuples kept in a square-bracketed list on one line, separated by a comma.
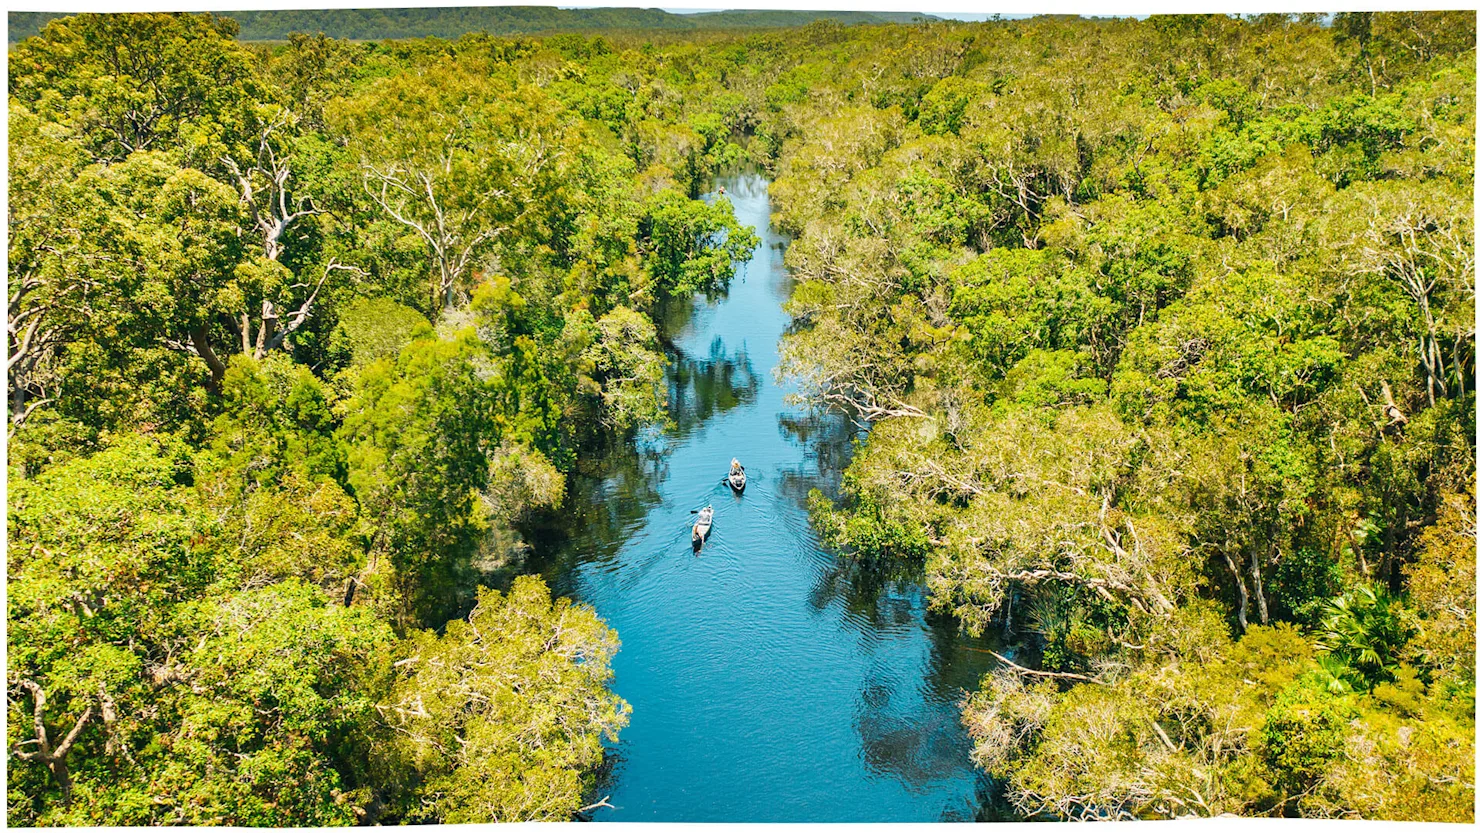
[(17, 403), (1243, 593), (55, 758), (1259, 590), (265, 332), (59, 771), (202, 345)]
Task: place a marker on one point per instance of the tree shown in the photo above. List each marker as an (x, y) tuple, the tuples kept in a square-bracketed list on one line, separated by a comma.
[(278, 713), (1441, 595), (1420, 237), (104, 548), (1365, 630), (274, 204), (1158, 742), (273, 473), (417, 435), (503, 713), (688, 246), (181, 228), (51, 277), (1140, 350), (375, 328), (461, 161), (125, 83), (625, 365)]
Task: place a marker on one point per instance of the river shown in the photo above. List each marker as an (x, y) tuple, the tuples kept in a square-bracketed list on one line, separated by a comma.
[(768, 680)]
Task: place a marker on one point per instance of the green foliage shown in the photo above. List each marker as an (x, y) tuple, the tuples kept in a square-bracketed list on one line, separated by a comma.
[(624, 361), (1045, 380), (1303, 734), (1253, 728), (140, 82), (281, 700), (101, 548), (274, 471), (501, 715), (1156, 742), (376, 328), (1148, 357), (691, 247), (301, 334), (277, 416), (415, 436), (206, 684), (1439, 595), (865, 531), (1365, 630), (943, 109)]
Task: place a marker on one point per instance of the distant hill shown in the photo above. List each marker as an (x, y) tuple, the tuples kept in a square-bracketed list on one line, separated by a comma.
[(381, 24)]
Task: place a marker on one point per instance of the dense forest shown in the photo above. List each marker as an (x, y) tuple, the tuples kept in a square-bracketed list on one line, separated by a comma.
[(454, 22), (297, 339), (1165, 331), (1162, 331)]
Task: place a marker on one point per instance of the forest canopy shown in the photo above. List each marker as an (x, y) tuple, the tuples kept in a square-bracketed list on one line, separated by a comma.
[(395, 24), (1162, 330), (299, 338)]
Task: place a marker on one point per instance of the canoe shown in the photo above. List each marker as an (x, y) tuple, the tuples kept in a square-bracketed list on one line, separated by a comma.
[(736, 479), (702, 526)]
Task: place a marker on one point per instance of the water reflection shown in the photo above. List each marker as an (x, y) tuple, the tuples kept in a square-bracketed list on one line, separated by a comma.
[(700, 388), (615, 488), (917, 751)]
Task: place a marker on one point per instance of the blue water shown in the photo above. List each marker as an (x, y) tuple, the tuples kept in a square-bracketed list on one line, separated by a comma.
[(769, 680)]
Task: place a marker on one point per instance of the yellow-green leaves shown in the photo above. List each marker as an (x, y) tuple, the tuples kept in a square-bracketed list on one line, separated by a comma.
[(504, 713), (141, 82)]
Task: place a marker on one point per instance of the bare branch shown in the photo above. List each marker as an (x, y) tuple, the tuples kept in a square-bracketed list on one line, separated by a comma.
[(1033, 672)]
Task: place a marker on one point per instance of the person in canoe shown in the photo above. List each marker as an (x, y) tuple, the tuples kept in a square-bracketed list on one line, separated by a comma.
[(702, 525), (736, 477)]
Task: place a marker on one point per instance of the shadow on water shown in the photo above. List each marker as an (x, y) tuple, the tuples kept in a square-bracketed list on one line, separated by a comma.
[(826, 441)]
